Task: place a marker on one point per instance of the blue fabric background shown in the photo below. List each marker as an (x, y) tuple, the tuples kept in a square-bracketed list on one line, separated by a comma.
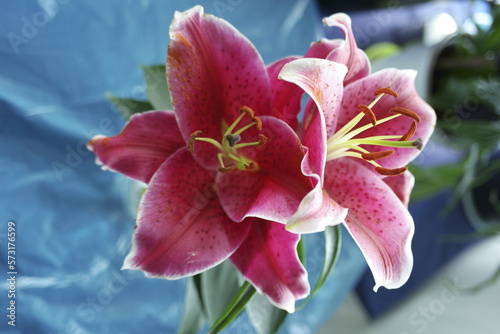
[(74, 221)]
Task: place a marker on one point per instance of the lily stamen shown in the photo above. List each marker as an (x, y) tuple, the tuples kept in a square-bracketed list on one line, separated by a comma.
[(260, 143), (359, 130), (368, 113), (377, 155), (386, 90), (222, 168), (346, 141), (366, 110), (235, 123), (251, 114), (250, 165), (374, 102), (390, 172), (227, 169), (411, 131), (378, 168), (230, 143), (406, 112), (205, 139)]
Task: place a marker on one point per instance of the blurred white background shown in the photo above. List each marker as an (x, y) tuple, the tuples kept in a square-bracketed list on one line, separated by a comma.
[(440, 306)]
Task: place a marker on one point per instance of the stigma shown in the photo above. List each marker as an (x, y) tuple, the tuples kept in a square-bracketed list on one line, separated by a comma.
[(348, 141), (231, 141)]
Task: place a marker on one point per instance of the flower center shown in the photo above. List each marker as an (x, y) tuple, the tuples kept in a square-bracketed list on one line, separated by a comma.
[(343, 143), (228, 157)]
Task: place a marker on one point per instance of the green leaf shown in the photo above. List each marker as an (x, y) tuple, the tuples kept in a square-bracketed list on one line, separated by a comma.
[(493, 38), (467, 178), (157, 87), (235, 307), (454, 238), (218, 286), (463, 94), (333, 244), (482, 285), (265, 317), (197, 284), (382, 50), (193, 316), (486, 134), (301, 251), (486, 283), (129, 107), (429, 181), (459, 177)]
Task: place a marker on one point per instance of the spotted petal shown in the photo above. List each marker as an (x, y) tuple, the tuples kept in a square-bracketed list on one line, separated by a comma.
[(268, 259), (147, 140), (403, 82), (402, 186), (285, 96), (316, 210), (213, 71), (182, 229), (377, 220)]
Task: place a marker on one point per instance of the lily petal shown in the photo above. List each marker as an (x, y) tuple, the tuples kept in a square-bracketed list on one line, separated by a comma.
[(348, 54), (316, 211), (285, 96), (322, 80), (377, 220), (322, 48), (274, 191), (213, 71), (182, 229), (313, 135), (268, 259), (403, 82), (146, 141), (402, 186)]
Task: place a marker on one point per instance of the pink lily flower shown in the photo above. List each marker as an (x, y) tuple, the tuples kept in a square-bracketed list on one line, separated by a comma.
[(225, 170), (361, 129)]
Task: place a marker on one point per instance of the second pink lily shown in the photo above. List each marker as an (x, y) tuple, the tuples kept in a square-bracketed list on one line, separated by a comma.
[(361, 130)]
